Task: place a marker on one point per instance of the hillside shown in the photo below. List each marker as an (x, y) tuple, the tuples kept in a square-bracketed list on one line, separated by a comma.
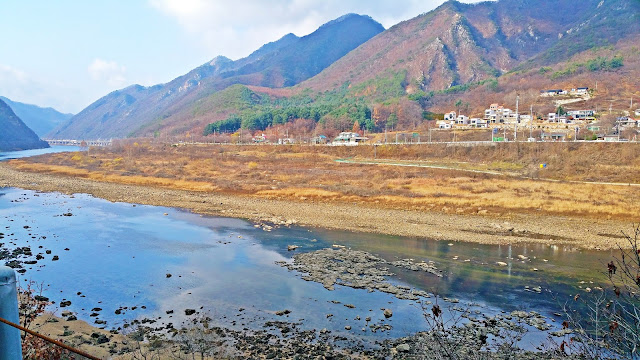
[(40, 120), (457, 44), (473, 55), (15, 135), (138, 110), (457, 57)]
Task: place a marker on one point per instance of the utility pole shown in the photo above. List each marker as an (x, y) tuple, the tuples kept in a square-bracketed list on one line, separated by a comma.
[(610, 107), (515, 126), (531, 122)]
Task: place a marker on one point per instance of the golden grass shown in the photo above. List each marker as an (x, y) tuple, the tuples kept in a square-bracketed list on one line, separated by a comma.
[(130, 180), (311, 174)]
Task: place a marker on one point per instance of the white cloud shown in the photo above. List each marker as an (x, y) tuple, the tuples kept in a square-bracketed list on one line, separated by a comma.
[(107, 71), (9, 74), (235, 28), (18, 85)]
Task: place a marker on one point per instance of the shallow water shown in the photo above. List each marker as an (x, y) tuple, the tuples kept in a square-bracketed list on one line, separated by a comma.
[(119, 256), (27, 153)]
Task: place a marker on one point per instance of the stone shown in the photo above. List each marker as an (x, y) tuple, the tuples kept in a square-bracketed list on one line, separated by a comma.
[(388, 313), (403, 348)]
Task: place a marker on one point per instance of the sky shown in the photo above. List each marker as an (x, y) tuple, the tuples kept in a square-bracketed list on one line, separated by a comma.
[(67, 54)]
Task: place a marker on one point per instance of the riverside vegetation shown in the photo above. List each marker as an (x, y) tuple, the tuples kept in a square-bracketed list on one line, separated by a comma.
[(459, 186)]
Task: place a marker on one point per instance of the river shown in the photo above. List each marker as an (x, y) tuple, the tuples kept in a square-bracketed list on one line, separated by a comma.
[(136, 261)]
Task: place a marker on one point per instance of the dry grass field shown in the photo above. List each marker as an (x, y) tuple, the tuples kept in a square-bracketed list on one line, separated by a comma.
[(311, 174)]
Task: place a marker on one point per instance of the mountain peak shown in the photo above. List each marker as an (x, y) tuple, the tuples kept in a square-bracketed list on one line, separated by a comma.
[(348, 18), (220, 60)]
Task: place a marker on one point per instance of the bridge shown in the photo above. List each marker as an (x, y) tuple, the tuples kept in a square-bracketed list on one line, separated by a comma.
[(82, 143)]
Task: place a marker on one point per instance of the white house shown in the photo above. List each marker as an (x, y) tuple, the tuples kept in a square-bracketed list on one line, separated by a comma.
[(581, 114), (637, 112), (553, 117), (479, 123), (553, 92), (450, 116), (627, 122), (462, 120), (499, 114), (445, 124), (582, 90), (348, 138)]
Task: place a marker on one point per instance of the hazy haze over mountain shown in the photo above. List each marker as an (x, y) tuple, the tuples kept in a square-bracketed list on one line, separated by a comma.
[(40, 120)]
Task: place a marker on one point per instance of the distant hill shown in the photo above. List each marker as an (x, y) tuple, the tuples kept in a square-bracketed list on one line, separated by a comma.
[(15, 135), (138, 110), (40, 120)]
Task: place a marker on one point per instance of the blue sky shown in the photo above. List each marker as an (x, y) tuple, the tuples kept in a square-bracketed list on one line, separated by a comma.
[(68, 53)]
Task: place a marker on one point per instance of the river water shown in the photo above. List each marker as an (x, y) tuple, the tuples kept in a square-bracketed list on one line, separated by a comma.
[(26, 153), (118, 256)]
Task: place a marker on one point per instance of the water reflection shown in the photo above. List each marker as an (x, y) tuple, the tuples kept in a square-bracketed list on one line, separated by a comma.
[(117, 255)]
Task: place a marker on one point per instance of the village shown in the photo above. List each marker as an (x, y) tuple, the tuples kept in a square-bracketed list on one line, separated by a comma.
[(560, 125), (504, 124)]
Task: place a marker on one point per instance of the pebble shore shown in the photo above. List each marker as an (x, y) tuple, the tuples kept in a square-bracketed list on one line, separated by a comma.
[(487, 229)]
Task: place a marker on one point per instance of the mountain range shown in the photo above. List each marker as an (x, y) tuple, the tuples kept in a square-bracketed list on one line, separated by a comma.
[(40, 120), (473, 54), (285, 62), (15, 135)]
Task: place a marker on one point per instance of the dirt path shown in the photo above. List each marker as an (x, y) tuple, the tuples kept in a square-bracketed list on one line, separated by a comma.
[(587, 233)]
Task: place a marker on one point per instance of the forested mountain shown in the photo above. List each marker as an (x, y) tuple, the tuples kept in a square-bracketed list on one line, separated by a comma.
[(15, 135), (40, 120), (458, 56), (136, 110)]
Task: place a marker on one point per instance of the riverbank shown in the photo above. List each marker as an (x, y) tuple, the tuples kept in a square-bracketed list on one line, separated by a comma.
[(82, 335), (353, 216)]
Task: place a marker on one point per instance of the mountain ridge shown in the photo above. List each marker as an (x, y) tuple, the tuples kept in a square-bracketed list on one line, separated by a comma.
[(39, 119), (123, 112), (472, 54), (15, 135)]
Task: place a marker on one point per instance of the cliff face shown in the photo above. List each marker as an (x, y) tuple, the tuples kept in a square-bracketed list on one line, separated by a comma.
[(15, 135)]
